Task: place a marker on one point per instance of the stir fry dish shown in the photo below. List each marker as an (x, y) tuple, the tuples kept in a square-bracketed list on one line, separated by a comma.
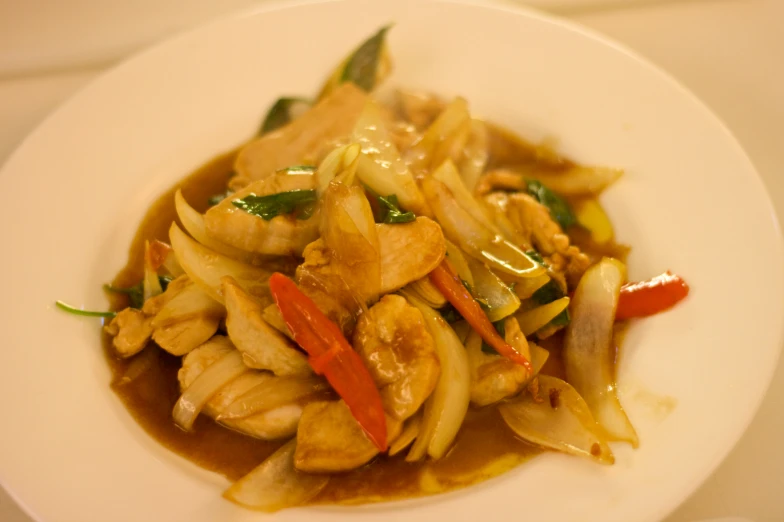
[(377, 298)]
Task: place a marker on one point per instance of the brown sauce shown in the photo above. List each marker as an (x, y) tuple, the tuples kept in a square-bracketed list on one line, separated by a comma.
[(147, 385)]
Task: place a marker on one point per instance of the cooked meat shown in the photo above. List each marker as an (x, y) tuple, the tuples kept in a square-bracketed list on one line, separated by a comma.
[(420, 108), (262, 346), (155, 304), (493, 377), (131, 330), (537, 229), (396, 347), (281, 235), (409, 252), (186, 320), (273, 424), (329, 439), (303, 140)]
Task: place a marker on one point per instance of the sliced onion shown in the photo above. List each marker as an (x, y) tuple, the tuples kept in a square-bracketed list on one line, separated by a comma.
[(189, 302), (535, 318), (340, 164), (151, 285), (206, 267), (272, 393), (447, 174), (578, 180), (380, 166), (407, 436), (446, 407), (193, 222), (349, 232), (500, 299), (475, 154), (459, 262), (276, 484), (588, 347), (425, 290), (475, 239), (562, 421), (444, 139), (205, 386), (525, 288)]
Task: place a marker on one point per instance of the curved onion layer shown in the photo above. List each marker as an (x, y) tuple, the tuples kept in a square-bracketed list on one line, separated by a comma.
[(589, 350), (475, 154), (447, 174), (206, 267), (446, 407), (349, 232), (500, 299), (276, 484), (562, 421), (272, 393), (578, 180), (340, 165), (459, 262), (193, 222), (407, 436), (444, 139), (205, 386), (531, 320), (474, 238), (380, 166), (525, 288), (425, 290), (189, 302), (152, 285)]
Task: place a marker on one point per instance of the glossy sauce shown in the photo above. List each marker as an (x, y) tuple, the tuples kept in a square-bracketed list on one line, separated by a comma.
[(147, 384)]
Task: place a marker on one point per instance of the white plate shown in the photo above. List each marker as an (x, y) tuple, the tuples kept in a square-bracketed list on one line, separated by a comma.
[(691, 379)]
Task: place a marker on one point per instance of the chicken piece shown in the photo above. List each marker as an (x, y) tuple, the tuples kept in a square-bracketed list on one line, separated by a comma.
[(281, 235), (303, 140), (409, 252), (396, 347), (269, 425), (537, 229), (131, 330), (155, 304), (186, 320), (329, 439), (262, 346), (494, 377), (420, 108)]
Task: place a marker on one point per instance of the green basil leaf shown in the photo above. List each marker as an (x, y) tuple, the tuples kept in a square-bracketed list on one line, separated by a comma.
[(362, 66), (558, 207), (389, 211), (297, 202), (280, 114), (561, 319), (548, 293)]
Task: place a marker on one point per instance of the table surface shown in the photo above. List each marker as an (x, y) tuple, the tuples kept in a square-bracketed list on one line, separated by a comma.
[(729, 52)]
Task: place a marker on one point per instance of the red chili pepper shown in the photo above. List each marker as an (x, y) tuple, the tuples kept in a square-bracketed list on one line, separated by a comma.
[(650, 297), (330, 354), (449, 284)]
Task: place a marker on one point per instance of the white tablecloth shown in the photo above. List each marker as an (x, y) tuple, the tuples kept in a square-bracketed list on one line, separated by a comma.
[(731, 54)]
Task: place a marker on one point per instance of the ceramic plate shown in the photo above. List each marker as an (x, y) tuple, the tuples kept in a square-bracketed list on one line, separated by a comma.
[(691, 201)]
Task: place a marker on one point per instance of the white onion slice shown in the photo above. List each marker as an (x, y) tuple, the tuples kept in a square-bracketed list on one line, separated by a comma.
[(588, 347), (276, 484), (205, 386), (407, 436), (531, 320), (445, 409), (272, 393), (562, 421)]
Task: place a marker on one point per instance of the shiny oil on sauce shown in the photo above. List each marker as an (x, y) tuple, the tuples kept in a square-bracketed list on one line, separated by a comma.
[(147, 385)]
